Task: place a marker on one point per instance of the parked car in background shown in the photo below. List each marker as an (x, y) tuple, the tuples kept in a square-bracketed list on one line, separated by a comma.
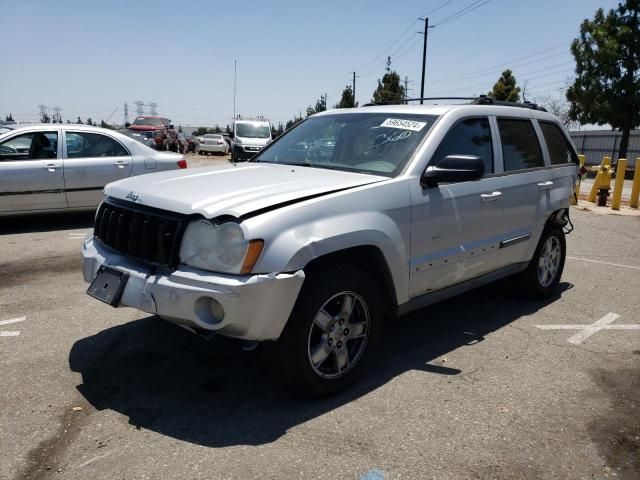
[(249, 137), (64, 166), (146, 138), (351, 216), (213, 143), (157, 125), (193, 143)]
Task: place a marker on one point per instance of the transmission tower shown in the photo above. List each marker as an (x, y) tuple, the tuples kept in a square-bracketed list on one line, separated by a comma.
[(57, 117), (43, 112), (406, 87), (126, 113), (153, 108), (139, 107), (388, 69)]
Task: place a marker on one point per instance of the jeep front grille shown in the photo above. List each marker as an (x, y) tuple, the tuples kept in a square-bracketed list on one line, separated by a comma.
[(148, 234)]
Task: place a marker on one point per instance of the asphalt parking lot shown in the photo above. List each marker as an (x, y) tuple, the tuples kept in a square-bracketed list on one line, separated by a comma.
[(469, 388)]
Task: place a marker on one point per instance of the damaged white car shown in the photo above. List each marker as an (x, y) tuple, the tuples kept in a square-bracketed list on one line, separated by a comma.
[(351, 216)]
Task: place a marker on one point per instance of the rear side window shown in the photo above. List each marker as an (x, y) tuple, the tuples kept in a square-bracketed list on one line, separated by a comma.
[(468, 137), (560, 150), (520, 147), (30, 146), (87, 145)]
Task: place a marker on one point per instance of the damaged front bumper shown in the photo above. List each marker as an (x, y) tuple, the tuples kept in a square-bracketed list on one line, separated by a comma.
[(251, 307)]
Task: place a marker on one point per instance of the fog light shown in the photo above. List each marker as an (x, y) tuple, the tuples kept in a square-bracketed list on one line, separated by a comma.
[(216, 310)]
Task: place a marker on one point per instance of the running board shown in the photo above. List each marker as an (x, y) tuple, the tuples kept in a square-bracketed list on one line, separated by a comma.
[(454, 290)]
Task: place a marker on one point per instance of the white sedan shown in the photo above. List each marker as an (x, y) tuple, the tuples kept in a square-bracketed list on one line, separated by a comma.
[(57, 167), (213, 143)]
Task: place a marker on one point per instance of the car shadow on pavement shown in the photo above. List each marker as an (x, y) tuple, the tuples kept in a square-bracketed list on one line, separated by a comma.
[(213, 393), (46, 222)]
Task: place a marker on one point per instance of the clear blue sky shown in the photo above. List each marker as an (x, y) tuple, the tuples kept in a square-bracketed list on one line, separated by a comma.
[(89, 57)]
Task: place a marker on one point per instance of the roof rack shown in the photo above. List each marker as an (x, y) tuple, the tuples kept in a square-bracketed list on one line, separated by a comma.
[(481, 100)]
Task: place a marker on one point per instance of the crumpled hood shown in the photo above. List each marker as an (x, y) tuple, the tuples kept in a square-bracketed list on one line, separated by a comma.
[(233, 190)]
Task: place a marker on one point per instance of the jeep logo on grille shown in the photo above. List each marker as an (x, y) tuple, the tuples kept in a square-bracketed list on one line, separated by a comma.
[(133, 196)]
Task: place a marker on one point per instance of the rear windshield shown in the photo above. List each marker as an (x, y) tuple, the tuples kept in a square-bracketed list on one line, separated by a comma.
[(155, 122), (373, 143)]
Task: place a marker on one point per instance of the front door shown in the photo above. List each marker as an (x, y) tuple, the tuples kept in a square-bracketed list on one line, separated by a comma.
[(31, 176), (454, 236), (92, 160)]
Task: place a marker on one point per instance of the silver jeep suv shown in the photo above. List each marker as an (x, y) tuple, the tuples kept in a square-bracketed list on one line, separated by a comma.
[(351, 216)]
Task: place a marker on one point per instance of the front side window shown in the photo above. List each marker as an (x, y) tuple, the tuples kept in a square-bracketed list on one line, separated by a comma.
[(560, 150), (87, 145), (30, 146), (471, 136), (373, 143), (520, 147)]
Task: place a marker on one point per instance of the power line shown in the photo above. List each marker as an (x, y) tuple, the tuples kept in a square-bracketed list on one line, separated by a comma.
[(505, 64), (463, 11), (384, 52)]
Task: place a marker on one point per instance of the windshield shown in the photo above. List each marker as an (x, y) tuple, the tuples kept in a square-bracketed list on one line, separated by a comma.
[(252, 130), (376, 143), (155, 122)]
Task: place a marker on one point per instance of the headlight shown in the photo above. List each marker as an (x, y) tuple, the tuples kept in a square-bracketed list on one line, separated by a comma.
[(219, 248), (238, 141)]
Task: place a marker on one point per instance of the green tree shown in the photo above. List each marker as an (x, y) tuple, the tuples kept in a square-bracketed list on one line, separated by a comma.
[(217, 129), (9, 118), (89, 121), (179, 128), (79, 121), (607, 84), (389, 90), (505, 88), (227, 130), (347, 100), (321, 106)]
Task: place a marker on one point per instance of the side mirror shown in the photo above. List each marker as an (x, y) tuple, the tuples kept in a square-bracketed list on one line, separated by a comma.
[(454, 168)]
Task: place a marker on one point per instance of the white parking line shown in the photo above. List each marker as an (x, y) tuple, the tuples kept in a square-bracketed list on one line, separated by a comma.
[(12, 320), (604, 263), (587, 330), (11, 333)]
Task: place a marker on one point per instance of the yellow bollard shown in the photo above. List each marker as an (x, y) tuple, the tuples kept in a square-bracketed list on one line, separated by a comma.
[(606, 161), (635, 190), (619, 185), (576, 193)]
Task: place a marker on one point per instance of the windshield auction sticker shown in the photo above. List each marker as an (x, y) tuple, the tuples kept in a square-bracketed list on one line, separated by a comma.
[(403, 124)]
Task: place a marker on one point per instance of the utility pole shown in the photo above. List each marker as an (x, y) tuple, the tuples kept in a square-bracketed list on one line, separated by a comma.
[(56, 115), (424, 58), (235, 72), (354, 89), (406, 87), (139, 107), (43, 112), (126, 114)]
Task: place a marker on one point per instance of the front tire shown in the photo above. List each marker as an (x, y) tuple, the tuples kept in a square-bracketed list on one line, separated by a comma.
[(543, 273), (331, 333)]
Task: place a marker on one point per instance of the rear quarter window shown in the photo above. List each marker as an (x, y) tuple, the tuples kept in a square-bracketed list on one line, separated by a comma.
[(560, 150)]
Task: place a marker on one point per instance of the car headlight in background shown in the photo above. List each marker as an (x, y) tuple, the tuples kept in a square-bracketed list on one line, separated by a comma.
[(219, 248)]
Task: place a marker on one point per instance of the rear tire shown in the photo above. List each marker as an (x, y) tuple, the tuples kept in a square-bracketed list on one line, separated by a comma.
[(544, 271), (331, 333)]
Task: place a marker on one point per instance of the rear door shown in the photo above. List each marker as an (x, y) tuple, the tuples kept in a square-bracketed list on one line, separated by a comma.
[(91, 161), (526, 187), (31, 176)]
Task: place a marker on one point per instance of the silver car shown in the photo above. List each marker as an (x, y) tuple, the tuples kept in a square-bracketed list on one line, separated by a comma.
[(351, 216), (57, 167), (212, 143)]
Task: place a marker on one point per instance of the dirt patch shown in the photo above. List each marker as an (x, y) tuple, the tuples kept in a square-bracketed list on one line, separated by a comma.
[(44, 458), (43, 268), (617, 433)]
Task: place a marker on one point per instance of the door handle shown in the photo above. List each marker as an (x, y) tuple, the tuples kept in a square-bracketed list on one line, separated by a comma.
[(545, 185), (51, 167), (121, 163), (490, 197)]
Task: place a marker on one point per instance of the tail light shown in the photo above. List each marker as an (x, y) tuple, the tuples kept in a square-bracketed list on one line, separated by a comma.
[(182, 163)]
